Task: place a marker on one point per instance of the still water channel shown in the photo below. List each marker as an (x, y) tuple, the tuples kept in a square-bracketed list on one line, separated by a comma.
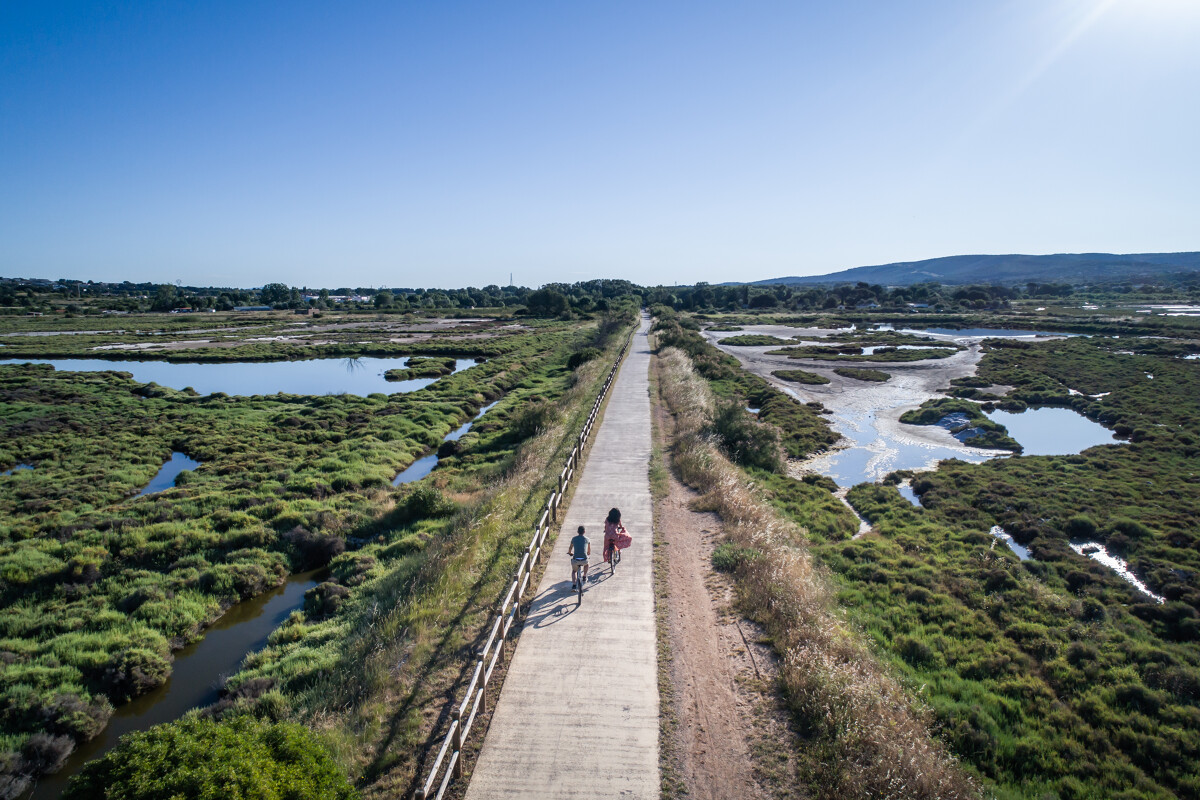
[(316, 376), (194, 678), (425, 464)]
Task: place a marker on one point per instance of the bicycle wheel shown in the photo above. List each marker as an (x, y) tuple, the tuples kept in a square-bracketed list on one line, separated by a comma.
[(616, 557), (579, 601)]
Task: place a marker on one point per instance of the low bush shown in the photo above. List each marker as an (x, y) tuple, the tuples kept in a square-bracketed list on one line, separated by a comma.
[(746, 440), (727, 557), (874, 375), (800, 376), (581, 357), (240, 758)]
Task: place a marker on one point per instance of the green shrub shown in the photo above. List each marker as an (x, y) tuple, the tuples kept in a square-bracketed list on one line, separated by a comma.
[(581, 357), (801, 376), (748, 441), (728, 557), (1081, 526), (534, 418), (239, 759), (878, 376), (427, 502)]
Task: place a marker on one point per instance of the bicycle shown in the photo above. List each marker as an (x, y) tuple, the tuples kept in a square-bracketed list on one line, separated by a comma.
[(614, 558), (577, 577)]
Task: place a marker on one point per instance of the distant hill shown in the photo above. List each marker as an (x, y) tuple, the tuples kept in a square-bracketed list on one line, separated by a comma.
[(1073, 268)]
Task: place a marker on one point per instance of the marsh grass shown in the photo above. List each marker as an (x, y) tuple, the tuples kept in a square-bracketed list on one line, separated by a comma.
[(861, 735), (98, 587), (376, 677)]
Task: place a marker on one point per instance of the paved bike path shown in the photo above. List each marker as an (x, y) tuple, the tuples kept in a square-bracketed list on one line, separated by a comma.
[(578, 714)]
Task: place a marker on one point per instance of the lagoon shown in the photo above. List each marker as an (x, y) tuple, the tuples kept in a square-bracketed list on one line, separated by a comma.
[(315, 376), (1053, 431)]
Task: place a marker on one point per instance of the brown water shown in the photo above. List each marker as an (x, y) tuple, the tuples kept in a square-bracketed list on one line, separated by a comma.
[(196, 677)]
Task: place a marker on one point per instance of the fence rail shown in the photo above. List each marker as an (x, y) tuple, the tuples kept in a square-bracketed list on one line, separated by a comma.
[(449, 761)]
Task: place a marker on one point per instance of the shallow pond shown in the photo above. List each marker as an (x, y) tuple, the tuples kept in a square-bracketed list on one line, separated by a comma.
[(425, 464), (908, 494), (165, 479), (1098, 552), (196, 676), (872, 454), (316, 376), (1053, 431), (1003, 535), (17, 468)]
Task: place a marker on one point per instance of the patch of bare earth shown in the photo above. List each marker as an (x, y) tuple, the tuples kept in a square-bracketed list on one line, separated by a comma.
[(731, 737)]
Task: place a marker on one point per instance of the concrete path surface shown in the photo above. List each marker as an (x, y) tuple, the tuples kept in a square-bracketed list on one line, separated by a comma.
[(578, 714)]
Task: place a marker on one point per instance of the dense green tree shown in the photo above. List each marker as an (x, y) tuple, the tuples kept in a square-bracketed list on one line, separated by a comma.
[(546, 303)]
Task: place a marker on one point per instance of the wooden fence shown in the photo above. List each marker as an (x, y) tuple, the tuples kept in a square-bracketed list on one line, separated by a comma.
[(449, 761)]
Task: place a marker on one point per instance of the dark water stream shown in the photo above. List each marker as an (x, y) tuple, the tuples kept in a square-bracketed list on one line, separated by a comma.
[(196, 675)]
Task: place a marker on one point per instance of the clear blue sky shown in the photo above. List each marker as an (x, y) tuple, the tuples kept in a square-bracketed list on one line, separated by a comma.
[(448, 143)]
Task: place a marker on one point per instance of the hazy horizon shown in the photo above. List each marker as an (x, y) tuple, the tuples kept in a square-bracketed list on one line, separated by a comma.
[(452, 145)]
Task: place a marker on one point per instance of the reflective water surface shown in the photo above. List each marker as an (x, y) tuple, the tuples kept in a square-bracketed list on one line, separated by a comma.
[(195, 678), (1053, 431), (1021, 550), (872, 454), (165, 479), (908, 494), (316, 376), (1098, 552), (425, 464)]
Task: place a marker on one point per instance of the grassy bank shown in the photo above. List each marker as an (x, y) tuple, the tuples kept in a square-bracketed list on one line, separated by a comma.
[(861, 736)]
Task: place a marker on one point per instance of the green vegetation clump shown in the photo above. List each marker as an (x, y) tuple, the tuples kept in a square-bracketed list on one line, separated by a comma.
[(965, 419), (800, 376), (581, 357), (746, 440), (422, 367), (873, 375), (196, 757), (752, 340), (727, 556), (892, 355)]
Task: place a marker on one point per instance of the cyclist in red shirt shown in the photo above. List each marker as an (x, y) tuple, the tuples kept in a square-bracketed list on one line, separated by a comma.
[(612, 528)]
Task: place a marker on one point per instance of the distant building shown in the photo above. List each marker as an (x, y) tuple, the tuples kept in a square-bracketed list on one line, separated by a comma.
[(252, 308)]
